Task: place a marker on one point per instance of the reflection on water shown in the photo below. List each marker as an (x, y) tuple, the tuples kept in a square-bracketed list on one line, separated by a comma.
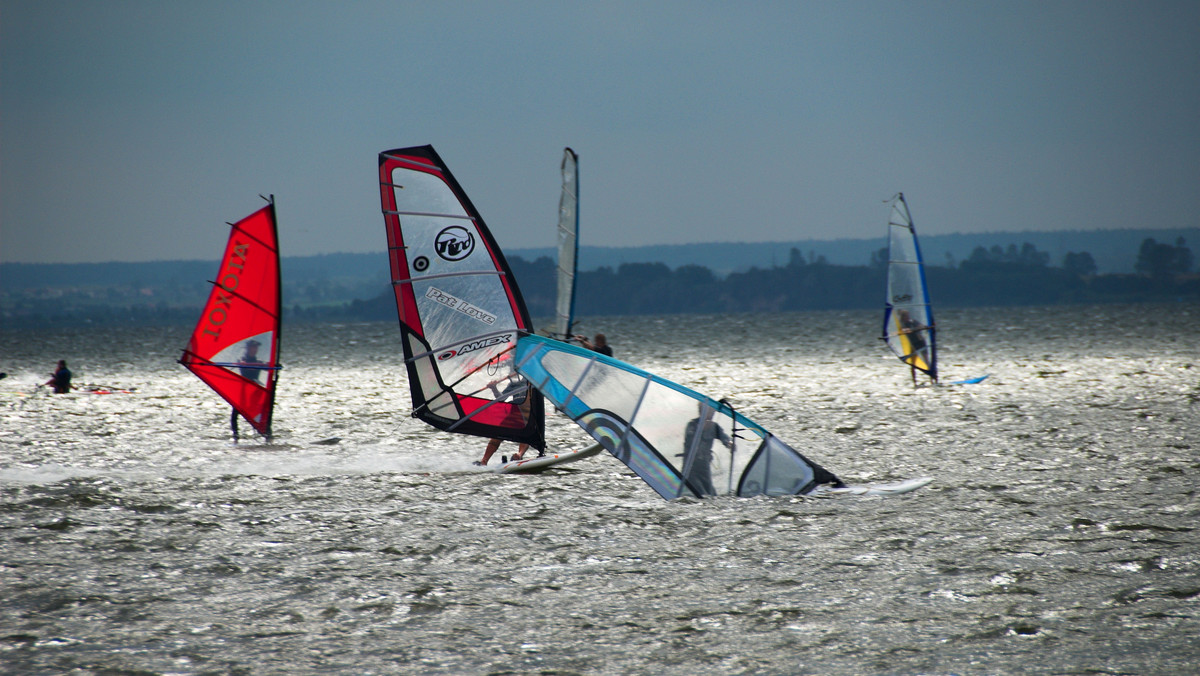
[(1059, 535)]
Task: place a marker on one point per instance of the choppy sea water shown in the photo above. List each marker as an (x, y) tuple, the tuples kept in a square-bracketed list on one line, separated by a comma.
[(1060, 534)]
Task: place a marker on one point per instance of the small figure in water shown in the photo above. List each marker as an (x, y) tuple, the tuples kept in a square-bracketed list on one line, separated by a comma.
[(699, 470), (916, 338), (61, 380), (248, 370), (597, 344)]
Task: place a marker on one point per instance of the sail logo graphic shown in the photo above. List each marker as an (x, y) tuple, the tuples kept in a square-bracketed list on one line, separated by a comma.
[(460, 305), (454, 243), (230, 278), (475, 345)]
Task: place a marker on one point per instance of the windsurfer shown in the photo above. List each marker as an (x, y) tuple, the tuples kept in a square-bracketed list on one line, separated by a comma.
[(249, 360), (517, 392), (61, 380), (598, 344), (248, 370), (698, 471), (916, 338)]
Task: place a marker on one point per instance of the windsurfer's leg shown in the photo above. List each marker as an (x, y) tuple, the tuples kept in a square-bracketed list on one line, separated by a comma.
[(520, 452), (493, 444), (233, 424)]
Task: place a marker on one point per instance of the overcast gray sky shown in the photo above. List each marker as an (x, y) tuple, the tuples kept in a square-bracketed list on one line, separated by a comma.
[(132, 130)]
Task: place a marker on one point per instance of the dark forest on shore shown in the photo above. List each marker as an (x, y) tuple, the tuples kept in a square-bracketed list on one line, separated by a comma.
[(993, 276), (990, 277)]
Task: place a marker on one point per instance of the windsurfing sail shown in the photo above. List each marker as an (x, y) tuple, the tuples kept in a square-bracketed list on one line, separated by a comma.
[(678, 441), (235, 346), (568, 245), (460, 310), (908, 326)]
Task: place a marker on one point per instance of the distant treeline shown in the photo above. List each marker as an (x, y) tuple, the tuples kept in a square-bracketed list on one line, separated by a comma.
[(989, 277), (995, 276)]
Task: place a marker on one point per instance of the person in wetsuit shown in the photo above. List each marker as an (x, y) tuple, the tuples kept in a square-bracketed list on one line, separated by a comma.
[(61, 380), (248, 369), (699, 472), (598, 344)]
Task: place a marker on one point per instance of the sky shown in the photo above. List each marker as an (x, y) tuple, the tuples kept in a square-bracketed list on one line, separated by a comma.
[(132, 130)]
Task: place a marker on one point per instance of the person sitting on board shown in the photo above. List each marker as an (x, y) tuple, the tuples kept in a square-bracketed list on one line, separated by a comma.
[(597, 344), (916, 338), (61, 380)]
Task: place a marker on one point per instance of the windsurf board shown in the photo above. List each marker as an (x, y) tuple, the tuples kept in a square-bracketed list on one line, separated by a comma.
[(970, 381), (876, 489), (536, 464)]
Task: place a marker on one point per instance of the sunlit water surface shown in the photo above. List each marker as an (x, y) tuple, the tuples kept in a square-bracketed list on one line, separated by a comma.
[(1060, 535)]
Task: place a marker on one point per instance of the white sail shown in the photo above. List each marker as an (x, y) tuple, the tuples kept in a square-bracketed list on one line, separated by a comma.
[(459, 307), (568, 245)]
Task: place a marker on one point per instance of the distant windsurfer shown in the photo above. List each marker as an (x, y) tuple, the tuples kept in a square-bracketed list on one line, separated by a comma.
[(598, 344), (246, 366), (698, 471), (916, 339), (61, 380)]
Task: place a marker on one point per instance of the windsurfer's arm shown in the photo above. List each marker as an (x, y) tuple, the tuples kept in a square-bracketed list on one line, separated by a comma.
[(723, 438)]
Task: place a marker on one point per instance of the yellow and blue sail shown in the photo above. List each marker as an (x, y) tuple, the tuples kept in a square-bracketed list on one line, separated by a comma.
[(908, 326)]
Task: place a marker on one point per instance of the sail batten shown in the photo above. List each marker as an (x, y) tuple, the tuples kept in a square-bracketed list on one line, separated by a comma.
[(908, 326), (234, 348), (459, 308)]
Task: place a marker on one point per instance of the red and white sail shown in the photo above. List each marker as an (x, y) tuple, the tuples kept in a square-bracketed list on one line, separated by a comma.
[(235, 346), (460, 310)]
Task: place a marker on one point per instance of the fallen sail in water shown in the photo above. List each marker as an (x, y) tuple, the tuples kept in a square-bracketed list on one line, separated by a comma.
[(235, 345), (678, 441), (459, 307)]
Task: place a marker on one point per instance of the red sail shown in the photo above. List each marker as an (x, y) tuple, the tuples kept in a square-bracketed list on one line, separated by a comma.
[(459, 307), (235, 346)]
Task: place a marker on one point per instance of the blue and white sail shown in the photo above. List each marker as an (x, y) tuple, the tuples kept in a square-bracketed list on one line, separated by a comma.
[(568, 245), (678, 441), (908, 326)]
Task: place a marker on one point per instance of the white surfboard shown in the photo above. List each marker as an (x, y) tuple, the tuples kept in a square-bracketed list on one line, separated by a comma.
[(876, 489), (536, 464)]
